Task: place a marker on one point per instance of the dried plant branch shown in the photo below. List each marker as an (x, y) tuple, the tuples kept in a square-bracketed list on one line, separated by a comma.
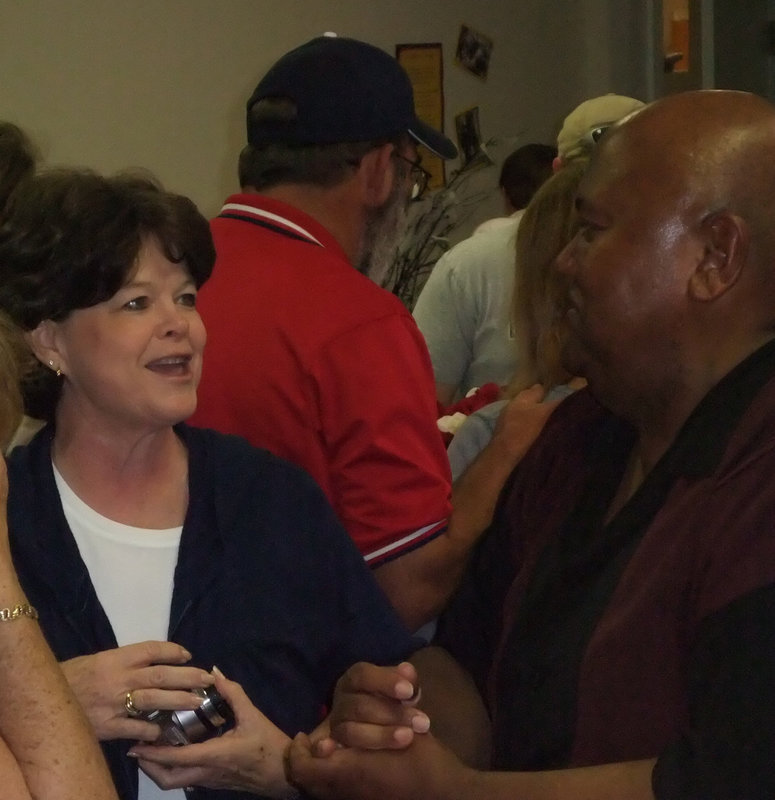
[(432, 220)]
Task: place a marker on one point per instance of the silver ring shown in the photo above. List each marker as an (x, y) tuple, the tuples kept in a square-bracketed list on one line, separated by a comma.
[(131, 709)]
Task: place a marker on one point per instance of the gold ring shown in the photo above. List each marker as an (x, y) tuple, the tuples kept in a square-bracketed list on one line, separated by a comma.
[(131, 709)]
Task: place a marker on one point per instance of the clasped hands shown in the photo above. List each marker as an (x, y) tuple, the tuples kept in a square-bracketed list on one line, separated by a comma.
[(373, 750), (374, 710)]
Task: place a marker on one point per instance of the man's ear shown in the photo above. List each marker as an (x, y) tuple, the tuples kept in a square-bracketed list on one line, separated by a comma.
[(726, 239), (377, 173), (43, 341)]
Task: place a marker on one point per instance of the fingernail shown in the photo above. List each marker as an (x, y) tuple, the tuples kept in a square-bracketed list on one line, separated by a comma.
[(404, 690), (403, 736), (217, 672), (186, 653), (421, 723), (132, 754)]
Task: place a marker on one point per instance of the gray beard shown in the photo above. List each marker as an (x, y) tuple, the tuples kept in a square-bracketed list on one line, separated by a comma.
[(381, 237)]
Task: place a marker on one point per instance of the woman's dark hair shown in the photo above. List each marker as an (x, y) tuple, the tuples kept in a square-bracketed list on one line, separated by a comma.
[(70, 239), (17, 160)]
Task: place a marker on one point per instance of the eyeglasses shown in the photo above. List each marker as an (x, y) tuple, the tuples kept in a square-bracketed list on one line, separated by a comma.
[(420, 177)]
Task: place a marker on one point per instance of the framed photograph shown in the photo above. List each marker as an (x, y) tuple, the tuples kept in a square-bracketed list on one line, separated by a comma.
[(423, 64), (469, 138), (473, 51)]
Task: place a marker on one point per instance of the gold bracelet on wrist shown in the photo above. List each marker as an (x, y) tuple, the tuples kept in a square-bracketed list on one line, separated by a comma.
[(21, 610)]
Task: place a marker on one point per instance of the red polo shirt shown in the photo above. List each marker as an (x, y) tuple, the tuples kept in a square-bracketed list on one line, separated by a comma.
[(313, 361)]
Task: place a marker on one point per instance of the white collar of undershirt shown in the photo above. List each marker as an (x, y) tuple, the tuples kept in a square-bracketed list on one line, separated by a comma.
[(106, 526)]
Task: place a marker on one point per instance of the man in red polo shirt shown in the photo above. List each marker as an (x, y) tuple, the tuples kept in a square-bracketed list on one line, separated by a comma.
[(307, 356)]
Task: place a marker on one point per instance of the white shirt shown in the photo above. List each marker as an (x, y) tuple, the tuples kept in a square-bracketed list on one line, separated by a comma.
[(464, 309), (132, 570)]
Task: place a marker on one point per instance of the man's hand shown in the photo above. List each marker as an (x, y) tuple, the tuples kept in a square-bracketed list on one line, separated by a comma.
[(247, 758), (374, 708), (424, 770), (384, 708)]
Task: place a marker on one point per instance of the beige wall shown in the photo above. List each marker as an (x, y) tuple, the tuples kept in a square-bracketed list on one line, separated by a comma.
[(162, 83)]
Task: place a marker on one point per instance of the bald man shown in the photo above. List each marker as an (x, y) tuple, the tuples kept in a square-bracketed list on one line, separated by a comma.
[(620, 620)]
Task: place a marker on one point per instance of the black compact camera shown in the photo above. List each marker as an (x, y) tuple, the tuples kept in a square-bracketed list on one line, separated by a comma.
[(187, 727)]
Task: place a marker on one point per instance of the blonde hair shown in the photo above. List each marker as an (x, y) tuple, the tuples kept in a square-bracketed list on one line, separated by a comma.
[(548, 224)]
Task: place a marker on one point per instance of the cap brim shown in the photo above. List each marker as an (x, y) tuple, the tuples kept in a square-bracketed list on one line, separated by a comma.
[(435, 141)]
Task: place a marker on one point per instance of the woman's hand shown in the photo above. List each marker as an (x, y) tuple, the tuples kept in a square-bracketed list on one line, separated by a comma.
[(522, 420), (149, 670), (248, 758)]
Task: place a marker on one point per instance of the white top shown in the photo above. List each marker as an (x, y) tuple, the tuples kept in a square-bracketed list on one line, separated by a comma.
[(497, 222), (132, 570), (464, 309)]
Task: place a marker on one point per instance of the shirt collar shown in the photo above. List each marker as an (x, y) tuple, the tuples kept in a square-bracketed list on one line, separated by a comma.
[(296, 219), (704, 437)]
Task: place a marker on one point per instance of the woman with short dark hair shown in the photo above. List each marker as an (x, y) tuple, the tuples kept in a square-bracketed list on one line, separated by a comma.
[(18, 157), (154, 550)]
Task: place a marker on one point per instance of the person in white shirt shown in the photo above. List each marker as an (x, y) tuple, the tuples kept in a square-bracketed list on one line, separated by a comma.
[(463, 309)]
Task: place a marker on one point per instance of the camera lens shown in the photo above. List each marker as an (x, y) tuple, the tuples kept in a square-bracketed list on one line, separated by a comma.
[(205, 721), (188, 726)]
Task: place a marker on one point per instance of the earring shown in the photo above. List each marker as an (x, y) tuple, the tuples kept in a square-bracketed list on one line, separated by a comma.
[(57, 371)]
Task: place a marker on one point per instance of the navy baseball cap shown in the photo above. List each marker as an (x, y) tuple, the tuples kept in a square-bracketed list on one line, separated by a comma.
[(344, 91)]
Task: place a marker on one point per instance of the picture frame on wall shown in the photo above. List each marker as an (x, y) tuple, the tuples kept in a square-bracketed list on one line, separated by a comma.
[(424, 65), (473, 51), (469, 138)]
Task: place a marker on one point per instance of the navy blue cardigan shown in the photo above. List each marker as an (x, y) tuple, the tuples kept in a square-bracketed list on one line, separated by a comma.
[(268, 585)]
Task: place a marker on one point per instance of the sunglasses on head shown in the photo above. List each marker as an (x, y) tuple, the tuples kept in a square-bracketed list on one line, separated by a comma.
[(592, 136)]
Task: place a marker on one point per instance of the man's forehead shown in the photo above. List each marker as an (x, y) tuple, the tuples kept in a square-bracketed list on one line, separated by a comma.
[(629, 160), (683, 154), (603, 175), (610, 191)]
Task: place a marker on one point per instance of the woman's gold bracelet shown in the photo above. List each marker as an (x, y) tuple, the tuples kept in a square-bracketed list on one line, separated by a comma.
[(22, 610)]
